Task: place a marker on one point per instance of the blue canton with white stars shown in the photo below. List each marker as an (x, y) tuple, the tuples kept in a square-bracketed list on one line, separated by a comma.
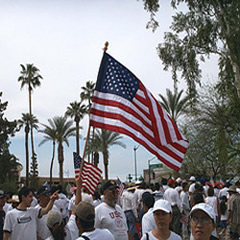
[(119, 80)]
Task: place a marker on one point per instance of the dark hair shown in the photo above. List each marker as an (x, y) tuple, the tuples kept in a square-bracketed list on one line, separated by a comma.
[(58, 231), (197, 197), (184, 184), (164, 181), (86, 224), (223, 205), (210, 191), (96, 195), (24, 191)]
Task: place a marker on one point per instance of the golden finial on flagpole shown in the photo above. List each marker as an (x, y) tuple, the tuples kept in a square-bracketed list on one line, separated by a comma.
[(106, 46)]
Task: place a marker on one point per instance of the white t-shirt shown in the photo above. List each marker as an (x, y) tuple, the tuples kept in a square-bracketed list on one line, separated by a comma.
[(191, 188), (112, 219), (62, 205), (42, 229), (148, 222), (212, 201), (22, 224), (173, 236), (98, 234)]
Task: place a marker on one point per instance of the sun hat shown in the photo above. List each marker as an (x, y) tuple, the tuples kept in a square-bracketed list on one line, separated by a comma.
[(53, 218), (85, 211), (232, 189), (14, 199), (163, 205), (205, 208)]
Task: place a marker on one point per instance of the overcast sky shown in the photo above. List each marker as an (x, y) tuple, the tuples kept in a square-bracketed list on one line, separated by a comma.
[(64, 39)]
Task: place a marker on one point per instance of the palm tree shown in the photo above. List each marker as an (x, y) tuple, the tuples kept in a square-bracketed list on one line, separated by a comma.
[(50, 134), (64, 130), (104, 139), (87, 94), (30, 77), (173, 104), (77, 111), (25, 121)]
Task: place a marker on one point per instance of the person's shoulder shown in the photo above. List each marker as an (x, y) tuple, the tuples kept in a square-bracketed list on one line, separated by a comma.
[(174, 236)]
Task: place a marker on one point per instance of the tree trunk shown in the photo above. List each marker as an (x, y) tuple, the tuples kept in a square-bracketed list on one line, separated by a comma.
[(51, 167), (236, 71), (60, 160), (105, 162), (77, 138), (27, 154), (31, 131)]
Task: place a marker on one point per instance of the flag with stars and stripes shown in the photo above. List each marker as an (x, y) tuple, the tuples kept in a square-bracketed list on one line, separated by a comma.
[(90, 173), (122, 104), (121, 187)]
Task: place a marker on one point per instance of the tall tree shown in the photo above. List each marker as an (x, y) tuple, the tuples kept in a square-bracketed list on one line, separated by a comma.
[(173, 104), (76, 110), (205, 27), (30, 78), (8, 162), (104, 139), (50, 134), (87, 94), (64, 130), (25, 122)]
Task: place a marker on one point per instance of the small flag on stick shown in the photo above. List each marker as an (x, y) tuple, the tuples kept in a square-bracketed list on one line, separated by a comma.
[(90, 173)]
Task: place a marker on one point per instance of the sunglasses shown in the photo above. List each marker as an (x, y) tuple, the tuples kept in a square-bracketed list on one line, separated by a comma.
[(203, 221)]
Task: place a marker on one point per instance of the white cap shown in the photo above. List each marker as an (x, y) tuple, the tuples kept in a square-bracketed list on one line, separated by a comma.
[(178, 180), (205, 208), (53, 217), (192, 178), (163, 205)]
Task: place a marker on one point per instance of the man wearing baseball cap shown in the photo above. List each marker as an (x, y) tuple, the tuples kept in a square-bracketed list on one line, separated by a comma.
[(162, 212), (85, 217), (202, 221), (109, 215)]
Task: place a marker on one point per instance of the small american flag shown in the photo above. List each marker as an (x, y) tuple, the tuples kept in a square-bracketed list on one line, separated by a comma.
[(90, 173), (121, 187), (212, 182), (122, 104)]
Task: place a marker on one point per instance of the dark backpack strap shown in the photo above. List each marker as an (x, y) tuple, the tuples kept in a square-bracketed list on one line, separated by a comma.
[(84, 237), (147, 236)]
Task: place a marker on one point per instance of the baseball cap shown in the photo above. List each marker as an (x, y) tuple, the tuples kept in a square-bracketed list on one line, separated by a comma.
[(192, 178), (110, 184), (205, 208), (163, 205), (43, 190), (2, 195), (53, 217), (85, 211), (171, 181), (178, 180)]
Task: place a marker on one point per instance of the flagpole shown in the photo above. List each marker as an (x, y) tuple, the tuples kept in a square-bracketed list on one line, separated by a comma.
[(89, 126)]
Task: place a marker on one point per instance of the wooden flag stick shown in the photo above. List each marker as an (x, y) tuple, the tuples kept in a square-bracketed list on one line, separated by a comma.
[(106, 46)]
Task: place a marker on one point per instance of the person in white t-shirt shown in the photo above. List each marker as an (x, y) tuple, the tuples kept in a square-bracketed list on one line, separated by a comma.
[(191, 189), (109, 215), (85, 215), (162, 212), (21, 222)]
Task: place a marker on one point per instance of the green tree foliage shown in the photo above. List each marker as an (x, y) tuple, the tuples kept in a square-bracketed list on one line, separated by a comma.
[(8, 162), (174, 104), (203, 28), (50, 134), (214, 133), (102, 141), (30, 78), (87, 94), (25, 122)]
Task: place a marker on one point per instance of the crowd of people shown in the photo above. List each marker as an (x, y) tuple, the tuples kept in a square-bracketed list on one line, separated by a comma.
[(171, 209)]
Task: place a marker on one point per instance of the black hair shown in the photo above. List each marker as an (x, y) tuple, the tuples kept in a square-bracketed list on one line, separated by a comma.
[(24, 191), (184, 184), (223, 205), (197, 197), (210, 191), (164, 181)]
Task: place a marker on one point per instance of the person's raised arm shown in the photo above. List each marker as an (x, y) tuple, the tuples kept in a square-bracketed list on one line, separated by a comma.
[(50, 204)]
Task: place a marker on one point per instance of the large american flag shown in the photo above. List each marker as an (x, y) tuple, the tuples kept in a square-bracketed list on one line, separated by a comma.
[(90, 173), (122, 104)]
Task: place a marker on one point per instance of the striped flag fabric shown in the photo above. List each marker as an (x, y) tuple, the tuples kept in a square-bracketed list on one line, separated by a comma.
[(122, 104), (120, 187), (90, 173)]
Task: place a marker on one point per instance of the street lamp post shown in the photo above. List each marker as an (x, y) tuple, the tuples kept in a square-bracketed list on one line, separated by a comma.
[(149, 176), (135, 160)]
